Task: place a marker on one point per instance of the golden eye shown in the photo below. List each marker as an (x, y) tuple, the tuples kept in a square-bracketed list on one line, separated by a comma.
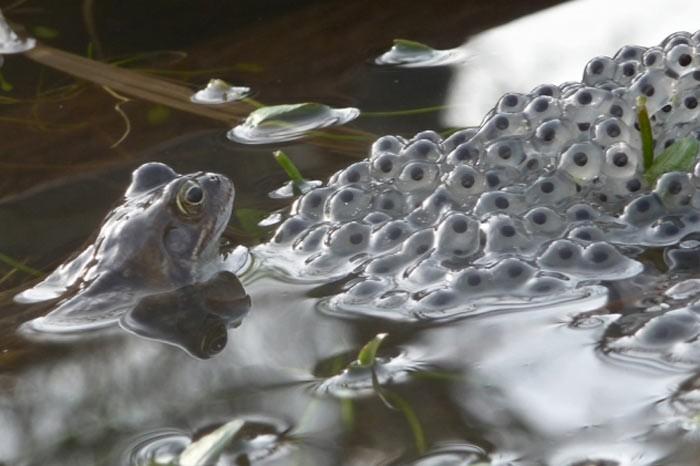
[(189, 198)]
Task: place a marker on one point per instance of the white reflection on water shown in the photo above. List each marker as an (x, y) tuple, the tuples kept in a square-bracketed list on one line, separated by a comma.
[(116, 385), (553, 46)]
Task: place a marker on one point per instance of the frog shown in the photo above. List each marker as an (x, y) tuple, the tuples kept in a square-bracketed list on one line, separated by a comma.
[(162, 236)]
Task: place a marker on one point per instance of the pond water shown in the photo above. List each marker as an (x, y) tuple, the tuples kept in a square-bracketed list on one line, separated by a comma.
[(608, 379)]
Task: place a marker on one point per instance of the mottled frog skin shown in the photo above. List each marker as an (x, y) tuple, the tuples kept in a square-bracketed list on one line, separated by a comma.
[(541, 202), (163, 236)]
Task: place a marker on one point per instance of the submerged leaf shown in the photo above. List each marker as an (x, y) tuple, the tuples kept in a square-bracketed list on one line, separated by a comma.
[(19, 266), (249, 220), (4, 85), (45, 32), (680, 156), (207, 449), (158, 114)]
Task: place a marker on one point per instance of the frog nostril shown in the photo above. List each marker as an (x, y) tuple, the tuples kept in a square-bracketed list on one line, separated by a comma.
[(214, 178)]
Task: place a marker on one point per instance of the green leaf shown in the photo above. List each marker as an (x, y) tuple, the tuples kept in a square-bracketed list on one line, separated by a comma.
[(645, 132), (680, 156), (368, 354), (207, 449), (411, 46), (280, 115)]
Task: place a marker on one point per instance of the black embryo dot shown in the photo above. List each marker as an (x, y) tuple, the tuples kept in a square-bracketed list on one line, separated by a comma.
[(580, 159), (507, 231), (613, 130), (501, 122), (620, 159), (467, 180), (504, 152), (584, 98), (547, 187), (566, 253), (501, 203), (540, 218), (356, 238), (459, 226), (417, 173)]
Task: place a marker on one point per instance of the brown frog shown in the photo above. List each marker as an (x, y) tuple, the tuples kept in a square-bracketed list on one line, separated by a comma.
[(163, 236)]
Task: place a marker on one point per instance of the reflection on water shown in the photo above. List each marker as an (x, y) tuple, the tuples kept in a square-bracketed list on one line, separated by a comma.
[(195, 318), (553, 45)]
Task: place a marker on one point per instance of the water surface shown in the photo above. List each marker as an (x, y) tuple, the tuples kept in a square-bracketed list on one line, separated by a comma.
[(557, 384)]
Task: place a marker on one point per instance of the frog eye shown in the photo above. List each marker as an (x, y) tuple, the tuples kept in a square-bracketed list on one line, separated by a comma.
[(190, 198)]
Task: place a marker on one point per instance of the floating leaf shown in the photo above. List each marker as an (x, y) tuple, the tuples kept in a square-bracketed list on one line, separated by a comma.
[(405, 45), (409, 53), (287, 122), (679, 156), (368, 354), (219, 91), (207, 449)]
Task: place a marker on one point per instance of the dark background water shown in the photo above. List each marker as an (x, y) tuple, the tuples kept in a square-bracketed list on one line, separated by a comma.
[(521, 388)]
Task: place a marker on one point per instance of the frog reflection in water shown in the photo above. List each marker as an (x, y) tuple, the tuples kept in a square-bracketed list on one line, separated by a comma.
[(155, 249)]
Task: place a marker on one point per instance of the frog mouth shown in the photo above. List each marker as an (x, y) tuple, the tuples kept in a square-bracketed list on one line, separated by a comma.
[(211, 232)]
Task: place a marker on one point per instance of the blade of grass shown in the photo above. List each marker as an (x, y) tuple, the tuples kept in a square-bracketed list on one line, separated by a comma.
[(19, 266), (645, 131), (288, 166)]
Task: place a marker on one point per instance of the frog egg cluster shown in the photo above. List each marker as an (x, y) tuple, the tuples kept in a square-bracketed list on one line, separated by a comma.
[(531, 202), (665, 339)]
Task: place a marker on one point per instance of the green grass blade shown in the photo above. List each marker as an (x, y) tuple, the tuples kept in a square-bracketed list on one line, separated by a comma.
[(19, 266), (411, 418), (288, 166), (645, 131)]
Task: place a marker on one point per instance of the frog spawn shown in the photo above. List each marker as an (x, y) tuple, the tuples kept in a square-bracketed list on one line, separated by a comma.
[(533, 202)]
